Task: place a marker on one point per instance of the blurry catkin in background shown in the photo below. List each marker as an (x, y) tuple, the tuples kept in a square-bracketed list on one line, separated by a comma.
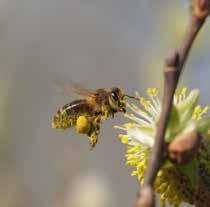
[(89, 189)]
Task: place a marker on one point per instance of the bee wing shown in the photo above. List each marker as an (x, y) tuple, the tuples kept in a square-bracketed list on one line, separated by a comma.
[(71, 88)]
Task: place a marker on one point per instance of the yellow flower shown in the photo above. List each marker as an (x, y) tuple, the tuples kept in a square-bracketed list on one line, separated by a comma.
[(175, 184)]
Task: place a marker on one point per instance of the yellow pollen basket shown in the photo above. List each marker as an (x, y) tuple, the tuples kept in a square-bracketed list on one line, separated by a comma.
[(82, 125)]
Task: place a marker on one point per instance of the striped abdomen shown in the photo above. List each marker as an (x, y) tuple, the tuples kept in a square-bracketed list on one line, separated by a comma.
[(66, 117)]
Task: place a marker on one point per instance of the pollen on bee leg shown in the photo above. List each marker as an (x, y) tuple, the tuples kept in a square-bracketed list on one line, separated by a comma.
[(93, 139), (82, 125)]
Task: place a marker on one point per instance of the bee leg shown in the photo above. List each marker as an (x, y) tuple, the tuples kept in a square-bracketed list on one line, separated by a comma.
[(93, 135), (93, 139), (105, 114)]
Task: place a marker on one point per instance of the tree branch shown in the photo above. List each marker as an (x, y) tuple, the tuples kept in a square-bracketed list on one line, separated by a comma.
[(173, 67)]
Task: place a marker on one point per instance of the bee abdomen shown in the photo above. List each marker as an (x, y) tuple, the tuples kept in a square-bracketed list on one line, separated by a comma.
[(66, 116), (62, 121)]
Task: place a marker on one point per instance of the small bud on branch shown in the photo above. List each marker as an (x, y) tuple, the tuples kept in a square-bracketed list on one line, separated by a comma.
[(201, 8), (184, 147)]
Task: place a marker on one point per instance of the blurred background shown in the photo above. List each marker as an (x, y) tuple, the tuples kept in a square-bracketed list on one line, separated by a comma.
[(99, 43)]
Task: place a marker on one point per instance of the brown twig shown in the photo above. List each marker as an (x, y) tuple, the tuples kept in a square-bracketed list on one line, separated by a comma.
[(173, 67)]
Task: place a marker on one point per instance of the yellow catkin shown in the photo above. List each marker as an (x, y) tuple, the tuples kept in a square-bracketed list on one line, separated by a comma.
[(173, 185)]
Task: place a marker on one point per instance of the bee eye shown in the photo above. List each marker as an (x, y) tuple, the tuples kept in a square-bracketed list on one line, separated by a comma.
[(114, 96)]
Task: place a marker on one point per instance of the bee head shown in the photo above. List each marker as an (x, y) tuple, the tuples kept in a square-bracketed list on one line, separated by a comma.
[(117, 100)]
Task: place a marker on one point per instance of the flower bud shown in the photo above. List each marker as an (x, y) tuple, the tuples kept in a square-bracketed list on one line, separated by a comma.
[(201, 8), (184, 147)]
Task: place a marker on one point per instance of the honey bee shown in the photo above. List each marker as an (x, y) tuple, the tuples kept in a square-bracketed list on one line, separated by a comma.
[(88, 113)]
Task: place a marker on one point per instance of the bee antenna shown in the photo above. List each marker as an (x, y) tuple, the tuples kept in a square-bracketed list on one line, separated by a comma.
[(131, 97)]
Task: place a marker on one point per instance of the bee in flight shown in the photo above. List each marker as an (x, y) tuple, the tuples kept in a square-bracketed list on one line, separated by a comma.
[(88, 113)]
